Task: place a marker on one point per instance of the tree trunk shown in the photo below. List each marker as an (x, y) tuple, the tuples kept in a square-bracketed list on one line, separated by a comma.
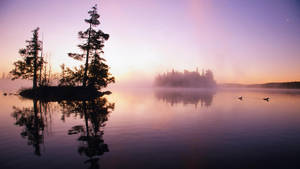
[(35, 57), (35, 71), (87, 59), (41, 67)]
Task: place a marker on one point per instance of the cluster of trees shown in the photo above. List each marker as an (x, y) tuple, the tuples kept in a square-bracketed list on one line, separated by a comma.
[(94, 72), (186, 79)]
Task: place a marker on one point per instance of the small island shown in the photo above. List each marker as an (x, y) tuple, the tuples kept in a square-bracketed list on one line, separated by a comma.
[(83, 82), (190, 79)]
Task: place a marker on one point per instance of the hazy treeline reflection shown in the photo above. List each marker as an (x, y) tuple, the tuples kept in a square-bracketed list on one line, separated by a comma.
[(186, 96), (94, 112)]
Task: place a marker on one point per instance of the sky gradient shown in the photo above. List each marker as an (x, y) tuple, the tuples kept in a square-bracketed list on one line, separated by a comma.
[(249, 41)]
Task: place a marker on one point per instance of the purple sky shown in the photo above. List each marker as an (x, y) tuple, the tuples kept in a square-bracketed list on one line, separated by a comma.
[(248, 41)]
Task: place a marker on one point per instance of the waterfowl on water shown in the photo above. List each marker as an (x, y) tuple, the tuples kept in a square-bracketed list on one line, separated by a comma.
[(241, 98), (266, 99)]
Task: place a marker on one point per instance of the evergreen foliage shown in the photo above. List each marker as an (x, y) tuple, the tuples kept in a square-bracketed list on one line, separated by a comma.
[(27, 67), (71, 77), (94, 73)]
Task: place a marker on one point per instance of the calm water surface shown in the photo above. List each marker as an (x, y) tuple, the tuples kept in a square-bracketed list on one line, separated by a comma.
[(154, 128)]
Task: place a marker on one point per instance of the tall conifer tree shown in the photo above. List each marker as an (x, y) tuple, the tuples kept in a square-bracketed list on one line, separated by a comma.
[(27, 67), (95, 73)]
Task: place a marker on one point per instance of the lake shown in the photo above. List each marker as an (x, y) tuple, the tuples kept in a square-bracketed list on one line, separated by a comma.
[(154, 128)]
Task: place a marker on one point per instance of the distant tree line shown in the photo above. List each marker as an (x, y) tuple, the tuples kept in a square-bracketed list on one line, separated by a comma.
[(186, 79)]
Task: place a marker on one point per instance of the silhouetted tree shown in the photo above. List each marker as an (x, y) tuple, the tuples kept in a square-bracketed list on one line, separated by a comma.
[(45, 71), (28, 66), (95, 73), (71, 77), (99, 75)]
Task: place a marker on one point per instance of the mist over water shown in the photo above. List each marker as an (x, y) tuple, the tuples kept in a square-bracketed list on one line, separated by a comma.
[(7, 85), (180, 128), (173, 96), (184, 84)]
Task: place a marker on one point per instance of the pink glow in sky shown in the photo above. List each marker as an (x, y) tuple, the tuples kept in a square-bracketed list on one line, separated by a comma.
[(249, 41)]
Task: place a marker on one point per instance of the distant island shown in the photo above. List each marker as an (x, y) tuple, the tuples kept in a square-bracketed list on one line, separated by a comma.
[(192, 79), (205, 79), (284, 85)]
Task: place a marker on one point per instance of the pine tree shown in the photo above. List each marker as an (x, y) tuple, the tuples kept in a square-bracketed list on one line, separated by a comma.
[(99, 75), (27, 67), (95, 72)]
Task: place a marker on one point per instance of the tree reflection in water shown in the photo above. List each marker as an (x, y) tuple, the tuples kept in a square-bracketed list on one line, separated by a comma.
[(36, 119), (95, 113), (186, 96), (34, 122)]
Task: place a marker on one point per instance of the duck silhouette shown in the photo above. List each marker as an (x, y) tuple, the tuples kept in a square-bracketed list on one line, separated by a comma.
[(266, 99), (240, 98)]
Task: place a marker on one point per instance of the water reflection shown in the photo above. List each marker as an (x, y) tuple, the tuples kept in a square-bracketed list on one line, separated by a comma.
[(31, 119), (95, 114), (34, 121), (186, 96), (230, 133)]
